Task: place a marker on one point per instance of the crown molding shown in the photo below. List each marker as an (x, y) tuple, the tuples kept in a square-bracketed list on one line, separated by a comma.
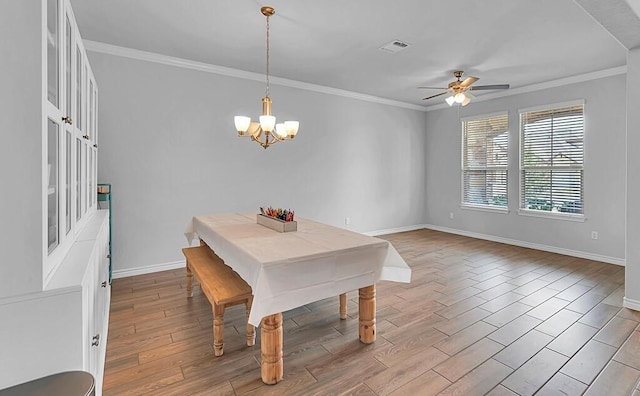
[(96, 46), (614, 71)]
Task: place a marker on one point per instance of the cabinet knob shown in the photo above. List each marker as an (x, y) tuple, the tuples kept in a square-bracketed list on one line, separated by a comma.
[(96, 340), (95, 146), (86, 137), (67, 120), (104, 284), (108, 256)]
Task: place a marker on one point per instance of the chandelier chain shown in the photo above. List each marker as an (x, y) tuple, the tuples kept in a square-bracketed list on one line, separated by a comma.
[(267, 89)]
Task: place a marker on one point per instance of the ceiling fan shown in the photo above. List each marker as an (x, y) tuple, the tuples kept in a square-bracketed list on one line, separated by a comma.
[(460, 91)]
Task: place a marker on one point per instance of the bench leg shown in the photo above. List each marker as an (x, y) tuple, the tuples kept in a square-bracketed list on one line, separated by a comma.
[(367, 313), (343, 306), (218, 329), (189, 281), (271, 348), (251, 331)]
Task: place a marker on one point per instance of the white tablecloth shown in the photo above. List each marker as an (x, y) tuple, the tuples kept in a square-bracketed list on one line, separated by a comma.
[(288, 270)]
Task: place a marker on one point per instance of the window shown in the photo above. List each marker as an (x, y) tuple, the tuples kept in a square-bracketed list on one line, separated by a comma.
[(485, 158), (552, 159)]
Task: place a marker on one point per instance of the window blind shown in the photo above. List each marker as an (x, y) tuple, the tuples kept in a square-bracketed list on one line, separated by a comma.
[(485, 158), (552, 159)]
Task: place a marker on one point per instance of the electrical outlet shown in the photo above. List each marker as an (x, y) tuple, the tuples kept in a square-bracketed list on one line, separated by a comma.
[(347, 220), (594, 235), (451, 215)]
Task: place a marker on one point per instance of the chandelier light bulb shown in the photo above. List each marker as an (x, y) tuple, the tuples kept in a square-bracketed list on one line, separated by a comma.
[(281, 131), (450, 100), (292, 128), (242, 123), (459, 97), (267, 122)]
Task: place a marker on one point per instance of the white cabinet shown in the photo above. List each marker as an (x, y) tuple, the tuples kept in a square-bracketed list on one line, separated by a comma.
[(65, 326), (52, 240)]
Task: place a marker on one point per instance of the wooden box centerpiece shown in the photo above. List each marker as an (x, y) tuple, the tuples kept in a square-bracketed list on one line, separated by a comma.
[(277, 219)]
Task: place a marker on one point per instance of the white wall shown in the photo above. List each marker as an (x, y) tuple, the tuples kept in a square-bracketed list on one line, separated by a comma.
[(604, 180), (168, 145), (21, 202), (632, 271)]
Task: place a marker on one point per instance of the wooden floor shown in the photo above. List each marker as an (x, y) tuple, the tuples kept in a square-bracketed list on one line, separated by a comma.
[(478, 318)]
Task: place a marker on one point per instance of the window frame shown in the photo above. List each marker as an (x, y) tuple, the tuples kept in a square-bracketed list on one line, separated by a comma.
[(575, 217)]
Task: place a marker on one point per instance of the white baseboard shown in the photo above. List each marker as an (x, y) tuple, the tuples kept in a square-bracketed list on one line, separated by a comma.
[(148, 269), (394, 230), (631, 304), (545, 248)]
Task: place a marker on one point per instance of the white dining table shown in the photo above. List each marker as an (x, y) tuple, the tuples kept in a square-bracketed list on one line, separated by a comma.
[(288, 270)]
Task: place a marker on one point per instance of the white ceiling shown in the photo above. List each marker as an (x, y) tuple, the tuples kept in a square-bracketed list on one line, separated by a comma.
[(335, 43)]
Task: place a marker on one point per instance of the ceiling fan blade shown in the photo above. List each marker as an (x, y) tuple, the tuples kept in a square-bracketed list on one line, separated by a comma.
[(487, 87), (468, 81), (432, 88), (435, 96)]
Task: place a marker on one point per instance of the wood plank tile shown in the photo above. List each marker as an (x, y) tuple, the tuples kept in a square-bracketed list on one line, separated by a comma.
[(501, 391), (514, 329), (538, 297), (462, 339), (466, 360), (615, 379), (481, 380), (559, 322), (496, 304), (462, 321), (572, 339), (573, 292), (429, 383), (562, 385), (586, 302), (460, 307), (629, 353), (507, 314), (589, 361), (548, 308), (404, 371), (516, 354), (616, 331), (149, 383), (532, 375), (599, 315)]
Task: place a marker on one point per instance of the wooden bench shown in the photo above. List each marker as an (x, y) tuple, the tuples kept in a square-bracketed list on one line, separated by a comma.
[(223, 288)]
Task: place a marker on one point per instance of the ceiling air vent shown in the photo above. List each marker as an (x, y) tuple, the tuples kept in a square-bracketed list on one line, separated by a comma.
[(394, 46)]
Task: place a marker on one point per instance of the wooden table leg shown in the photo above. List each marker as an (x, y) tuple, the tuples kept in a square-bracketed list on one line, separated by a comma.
[(343, 306), (251, 331), (271, 345), (367, 311)]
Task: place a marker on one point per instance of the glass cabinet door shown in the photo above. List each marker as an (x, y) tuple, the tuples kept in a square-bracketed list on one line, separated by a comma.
[(53, 157), (53, 53)]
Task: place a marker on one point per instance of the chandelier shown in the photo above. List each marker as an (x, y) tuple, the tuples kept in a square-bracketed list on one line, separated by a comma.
[(267, 131)]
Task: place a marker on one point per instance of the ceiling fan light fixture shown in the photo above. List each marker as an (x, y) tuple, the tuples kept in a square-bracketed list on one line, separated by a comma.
[(459, 97), (450, 100)]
